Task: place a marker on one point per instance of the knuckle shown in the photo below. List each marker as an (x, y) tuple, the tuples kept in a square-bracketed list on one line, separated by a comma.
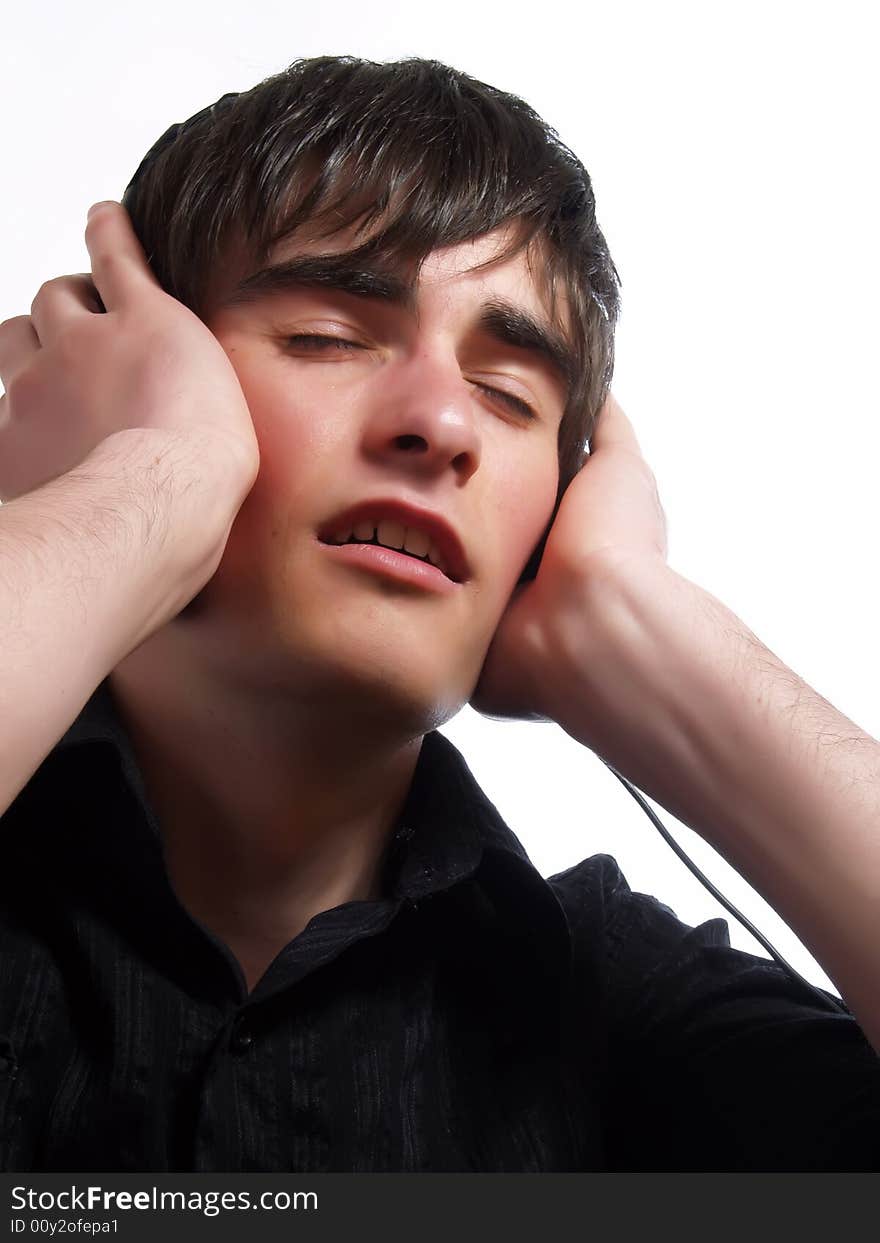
[(39, 296), (7, 326), (22, 389), (45, 289)]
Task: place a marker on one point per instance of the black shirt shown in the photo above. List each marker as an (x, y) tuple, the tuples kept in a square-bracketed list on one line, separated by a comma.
[(477, 1018)]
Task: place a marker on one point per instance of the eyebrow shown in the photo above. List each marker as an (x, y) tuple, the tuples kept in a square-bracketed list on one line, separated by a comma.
[(500, 319)]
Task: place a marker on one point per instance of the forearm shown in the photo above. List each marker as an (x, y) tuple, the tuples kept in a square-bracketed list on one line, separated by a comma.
[(738, 747), (90, 564)]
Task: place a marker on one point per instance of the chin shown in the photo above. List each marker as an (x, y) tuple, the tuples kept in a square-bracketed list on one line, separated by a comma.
[(363, 668), (416, 695)]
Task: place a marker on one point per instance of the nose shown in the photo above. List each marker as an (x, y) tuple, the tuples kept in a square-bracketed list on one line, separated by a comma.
[(425, 416)]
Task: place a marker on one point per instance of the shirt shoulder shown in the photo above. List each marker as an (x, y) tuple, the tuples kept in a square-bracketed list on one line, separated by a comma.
[(717, 1059), (600, 905)]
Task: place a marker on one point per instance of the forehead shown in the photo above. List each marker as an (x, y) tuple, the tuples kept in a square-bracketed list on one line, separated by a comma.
[(448, 268), (500, 293)]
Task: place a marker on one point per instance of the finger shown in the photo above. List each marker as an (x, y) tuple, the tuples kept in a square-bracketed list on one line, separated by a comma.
[(61, 299), (18, 343), (614, 428), (119, 265)]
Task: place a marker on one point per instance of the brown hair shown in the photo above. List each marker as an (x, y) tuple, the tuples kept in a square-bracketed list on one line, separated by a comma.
[(428, 153)]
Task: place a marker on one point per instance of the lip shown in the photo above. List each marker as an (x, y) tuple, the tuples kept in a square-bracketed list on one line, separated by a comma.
[(389, 563), (435, 526)]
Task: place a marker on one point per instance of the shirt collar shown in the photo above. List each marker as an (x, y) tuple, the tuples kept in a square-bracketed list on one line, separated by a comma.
[(448, 832)]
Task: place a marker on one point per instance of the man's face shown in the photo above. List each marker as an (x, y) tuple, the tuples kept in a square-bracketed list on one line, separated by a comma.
[(415, 404)]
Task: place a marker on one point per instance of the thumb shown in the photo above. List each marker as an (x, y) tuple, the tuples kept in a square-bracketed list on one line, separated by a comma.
[(120, 270)]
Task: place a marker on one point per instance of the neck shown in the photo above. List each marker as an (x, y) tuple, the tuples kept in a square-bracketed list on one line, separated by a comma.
[(271, 808)]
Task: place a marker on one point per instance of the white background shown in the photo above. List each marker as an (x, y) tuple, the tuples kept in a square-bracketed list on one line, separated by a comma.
[(733, 151)]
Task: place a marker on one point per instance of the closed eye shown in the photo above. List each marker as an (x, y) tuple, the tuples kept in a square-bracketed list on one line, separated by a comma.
[(312, 339), (315, 343), (515, 403)]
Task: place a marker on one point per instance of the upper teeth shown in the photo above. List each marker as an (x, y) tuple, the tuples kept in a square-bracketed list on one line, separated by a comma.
[(394, 535)]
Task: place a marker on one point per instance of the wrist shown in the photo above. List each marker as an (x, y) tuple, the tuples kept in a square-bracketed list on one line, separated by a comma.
[(633, 663)]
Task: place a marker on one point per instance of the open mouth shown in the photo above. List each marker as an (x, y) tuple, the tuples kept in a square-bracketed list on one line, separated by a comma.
[(410, 533), (432, 557)]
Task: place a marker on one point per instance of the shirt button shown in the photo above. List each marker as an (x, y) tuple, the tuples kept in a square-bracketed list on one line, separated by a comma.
[(241, 1039)]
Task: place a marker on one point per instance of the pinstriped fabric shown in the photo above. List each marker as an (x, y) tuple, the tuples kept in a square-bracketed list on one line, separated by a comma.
[(476, 1018)]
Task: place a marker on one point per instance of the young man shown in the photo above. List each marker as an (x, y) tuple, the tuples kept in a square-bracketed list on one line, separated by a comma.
[(255, 912)]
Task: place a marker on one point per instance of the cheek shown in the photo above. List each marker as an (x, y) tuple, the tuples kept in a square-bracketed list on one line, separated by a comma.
[(298, 433), (523, 509), (280, 414)]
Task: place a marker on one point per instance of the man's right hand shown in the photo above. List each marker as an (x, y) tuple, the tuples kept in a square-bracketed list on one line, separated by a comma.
[(75, 376)]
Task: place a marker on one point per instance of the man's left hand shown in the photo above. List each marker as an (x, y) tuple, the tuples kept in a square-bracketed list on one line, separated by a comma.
[(610, 516)]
